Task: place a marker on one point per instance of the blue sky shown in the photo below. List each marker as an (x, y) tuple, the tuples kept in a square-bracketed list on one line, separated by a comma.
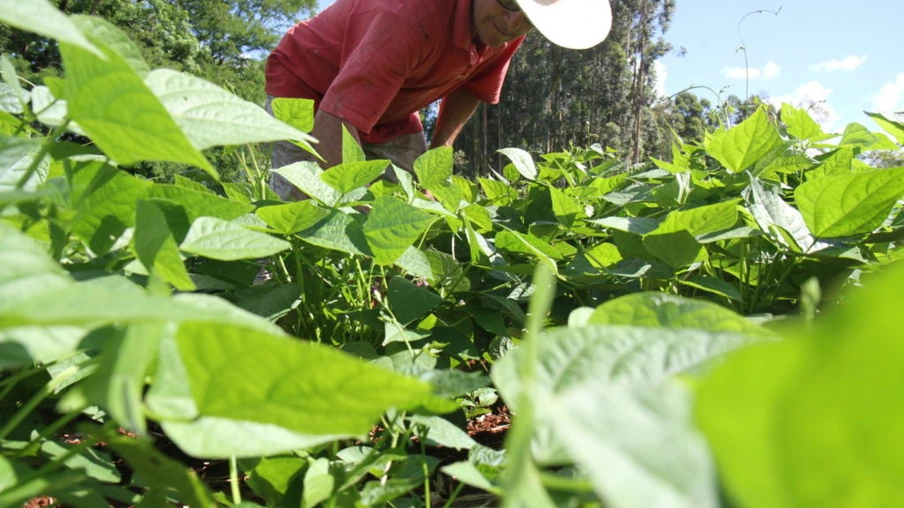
[(846, 56)]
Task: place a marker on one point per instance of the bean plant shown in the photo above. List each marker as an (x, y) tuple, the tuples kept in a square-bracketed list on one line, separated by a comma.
[(719, 329)]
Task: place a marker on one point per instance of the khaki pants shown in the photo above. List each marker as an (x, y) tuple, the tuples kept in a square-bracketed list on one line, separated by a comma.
[(402, 151)]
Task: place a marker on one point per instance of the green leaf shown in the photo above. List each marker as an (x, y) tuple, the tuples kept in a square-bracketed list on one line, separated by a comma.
[(114, 107), (160, 472), (200, 204), (11, 92), (522, 161), (434, 166), (300, 386), (105, 34), (771, 212), (17, 154), (118, 384), (292, 217), (467, 473), (105, 198), (340, 232), (713, 285), (26, 269), (660, 310), (298, 113), (351, 175), (814, 421), (27, 345), (702, 219), (607, 355), (678, 249), (10, 101), (442, 432), (741, 146), (896, 129), (351, 150), (221, 438), (800, 124), (211, 116), (514, 241), (96, 464), (838, 162), (42, 18), (270, 477), (219, 239), (156, 247), (835, 206), (408, 301), (566, 209), (636, 225), (858, 136), (393, 226), (306, 176), (643, 433)]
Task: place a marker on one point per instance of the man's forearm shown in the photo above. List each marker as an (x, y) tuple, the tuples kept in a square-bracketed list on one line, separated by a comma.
[(328, 131), (454, 111)]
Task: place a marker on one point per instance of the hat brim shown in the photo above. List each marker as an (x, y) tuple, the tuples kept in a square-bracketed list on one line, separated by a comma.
[(574, 24)]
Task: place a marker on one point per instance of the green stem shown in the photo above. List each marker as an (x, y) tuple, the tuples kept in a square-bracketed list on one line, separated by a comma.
[(560, 483), (518, 442), (454, 495), (33, 402), (8, 384), (234, 481), (426, 471)]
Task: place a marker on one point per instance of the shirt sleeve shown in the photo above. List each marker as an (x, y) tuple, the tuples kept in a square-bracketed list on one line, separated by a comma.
[(486, 84), (382, 51)]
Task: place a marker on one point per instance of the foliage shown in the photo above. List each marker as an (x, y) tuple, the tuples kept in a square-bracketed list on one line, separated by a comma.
[(601, 95), (647, 325)]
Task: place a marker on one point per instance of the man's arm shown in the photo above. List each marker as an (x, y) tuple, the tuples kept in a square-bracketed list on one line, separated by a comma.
[(328, 131), (454, 112)]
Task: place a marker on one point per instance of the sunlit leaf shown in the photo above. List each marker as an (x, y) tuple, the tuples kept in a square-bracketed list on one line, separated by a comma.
[(434, 166), (393, 226), (522, 160), (848, 205), (741, 146), (211, 116), (219, 239), (114, 107)]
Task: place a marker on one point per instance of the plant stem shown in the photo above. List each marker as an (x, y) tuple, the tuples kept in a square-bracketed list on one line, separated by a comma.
[(234, 481), (33, 402), (454, 495), (426, 471)]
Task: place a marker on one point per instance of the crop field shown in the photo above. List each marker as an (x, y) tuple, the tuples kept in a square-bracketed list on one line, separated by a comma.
[(724, 329)]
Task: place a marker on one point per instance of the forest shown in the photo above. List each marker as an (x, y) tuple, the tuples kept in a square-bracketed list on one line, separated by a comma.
[(600, 298)]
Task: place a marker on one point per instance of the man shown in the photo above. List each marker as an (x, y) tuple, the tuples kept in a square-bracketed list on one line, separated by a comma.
[(371, 65)]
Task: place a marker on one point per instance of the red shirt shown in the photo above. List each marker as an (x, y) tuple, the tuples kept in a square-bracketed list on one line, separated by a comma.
[(376, 63)]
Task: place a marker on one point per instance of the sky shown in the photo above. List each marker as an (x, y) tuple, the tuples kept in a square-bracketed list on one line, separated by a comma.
[(847, 54)]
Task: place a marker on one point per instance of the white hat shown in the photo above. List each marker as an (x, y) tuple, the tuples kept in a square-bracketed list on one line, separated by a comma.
[(574, 24)]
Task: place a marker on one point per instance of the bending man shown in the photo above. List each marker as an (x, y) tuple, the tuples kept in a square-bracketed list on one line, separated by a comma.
[(371, 65)]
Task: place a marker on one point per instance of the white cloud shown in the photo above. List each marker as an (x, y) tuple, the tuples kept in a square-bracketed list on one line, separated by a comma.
[(848, 63), (890, 98), (661, 74), (770, 71), (813, 97)]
